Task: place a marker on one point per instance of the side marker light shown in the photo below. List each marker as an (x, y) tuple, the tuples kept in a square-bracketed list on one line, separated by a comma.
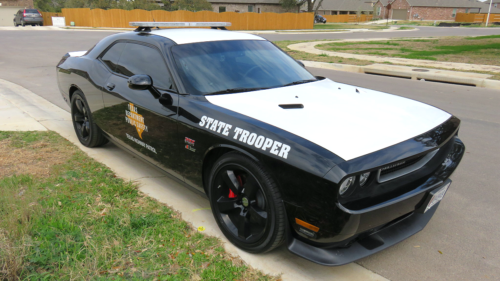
[(306, 225)]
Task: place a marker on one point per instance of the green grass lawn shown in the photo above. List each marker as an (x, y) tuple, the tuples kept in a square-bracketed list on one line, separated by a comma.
[(473, 50), (65, 216), (348, 26), (405, 28)]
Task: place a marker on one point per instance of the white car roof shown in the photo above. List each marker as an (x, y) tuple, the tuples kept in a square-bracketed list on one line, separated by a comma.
[(196, 35)]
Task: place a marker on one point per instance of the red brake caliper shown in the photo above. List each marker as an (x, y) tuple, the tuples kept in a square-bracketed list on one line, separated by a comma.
[(231, 193)]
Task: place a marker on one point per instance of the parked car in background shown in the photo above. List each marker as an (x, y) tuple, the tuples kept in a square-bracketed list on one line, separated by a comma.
[(28, 17), (318, 18)]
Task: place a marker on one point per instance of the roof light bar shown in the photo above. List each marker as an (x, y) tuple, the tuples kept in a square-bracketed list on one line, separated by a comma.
[(144, 26)]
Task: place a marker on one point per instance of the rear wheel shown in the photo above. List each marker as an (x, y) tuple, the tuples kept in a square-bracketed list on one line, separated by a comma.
[(246, 204), (41, 24), (23, 23), (87, 132)]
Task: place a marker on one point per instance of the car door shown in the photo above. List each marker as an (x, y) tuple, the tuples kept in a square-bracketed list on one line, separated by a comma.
[(137, 119)]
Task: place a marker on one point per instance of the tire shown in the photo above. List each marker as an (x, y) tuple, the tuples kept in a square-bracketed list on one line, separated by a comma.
[(23, 23), (89, 134), (246, 203), (40, 24), (15, 25)]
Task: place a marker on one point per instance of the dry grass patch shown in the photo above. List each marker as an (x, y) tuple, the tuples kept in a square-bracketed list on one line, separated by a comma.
[(21, 153)]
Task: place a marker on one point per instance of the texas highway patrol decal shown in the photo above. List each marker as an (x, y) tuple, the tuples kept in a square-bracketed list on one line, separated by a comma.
[(135, 119), (275, 147)]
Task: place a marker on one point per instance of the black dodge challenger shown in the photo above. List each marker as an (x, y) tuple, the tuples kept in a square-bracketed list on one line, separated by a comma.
[(335, 171)]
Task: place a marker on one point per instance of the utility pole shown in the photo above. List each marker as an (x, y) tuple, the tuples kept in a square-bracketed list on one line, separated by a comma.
[(489, 11)]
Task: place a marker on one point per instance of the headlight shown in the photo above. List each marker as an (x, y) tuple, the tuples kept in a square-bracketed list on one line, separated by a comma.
[(363, 178), (346, 184)]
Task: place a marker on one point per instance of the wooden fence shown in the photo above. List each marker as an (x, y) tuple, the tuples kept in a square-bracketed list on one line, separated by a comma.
[(239, 21), (347, 18), (477, 18), (47, 17)]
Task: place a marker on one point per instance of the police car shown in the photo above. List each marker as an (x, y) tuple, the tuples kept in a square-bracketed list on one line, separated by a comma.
[(334, 171)]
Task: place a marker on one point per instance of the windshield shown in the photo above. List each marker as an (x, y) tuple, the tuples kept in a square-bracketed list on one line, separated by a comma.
[(236, 66)]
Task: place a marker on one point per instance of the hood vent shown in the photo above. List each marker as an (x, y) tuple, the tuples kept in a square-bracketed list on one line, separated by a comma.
[(292, 106)]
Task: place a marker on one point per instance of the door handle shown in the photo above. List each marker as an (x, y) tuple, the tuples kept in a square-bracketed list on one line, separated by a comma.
[(110, 86)]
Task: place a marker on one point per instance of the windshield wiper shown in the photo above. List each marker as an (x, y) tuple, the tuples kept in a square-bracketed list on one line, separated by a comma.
[(300, 82), (235, 90)]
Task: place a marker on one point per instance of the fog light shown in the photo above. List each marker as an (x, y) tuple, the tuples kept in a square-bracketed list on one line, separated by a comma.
[(345, 185), (363, 178)]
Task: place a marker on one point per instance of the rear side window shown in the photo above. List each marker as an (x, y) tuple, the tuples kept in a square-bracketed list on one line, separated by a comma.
[(112, 56), (140, 59)]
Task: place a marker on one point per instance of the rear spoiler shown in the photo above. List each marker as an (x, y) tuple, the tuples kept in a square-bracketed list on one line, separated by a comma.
[(77, 54), (71, 54)]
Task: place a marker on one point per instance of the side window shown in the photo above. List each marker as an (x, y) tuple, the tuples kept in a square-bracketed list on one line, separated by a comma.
[(112, 56), (140, 59)]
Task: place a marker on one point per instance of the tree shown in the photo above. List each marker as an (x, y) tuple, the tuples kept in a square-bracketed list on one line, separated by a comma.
[(53, 6), (311, 7), (192, 5), (317, 6)]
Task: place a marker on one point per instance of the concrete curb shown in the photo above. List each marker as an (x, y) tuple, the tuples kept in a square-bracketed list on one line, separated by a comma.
[(194, 209), (414, 73)]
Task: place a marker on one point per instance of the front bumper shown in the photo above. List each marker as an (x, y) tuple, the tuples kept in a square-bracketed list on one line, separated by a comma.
[(372, 242)]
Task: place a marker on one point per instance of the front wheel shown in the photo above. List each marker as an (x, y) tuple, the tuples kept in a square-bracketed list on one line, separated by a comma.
[(86, 130), (246, 203)]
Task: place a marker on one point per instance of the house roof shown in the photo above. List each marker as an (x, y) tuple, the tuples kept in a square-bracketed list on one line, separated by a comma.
[(347, 5)]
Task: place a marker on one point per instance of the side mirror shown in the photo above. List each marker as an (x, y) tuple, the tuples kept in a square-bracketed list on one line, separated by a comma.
[(301, 63), (140, 82), (143, 82)]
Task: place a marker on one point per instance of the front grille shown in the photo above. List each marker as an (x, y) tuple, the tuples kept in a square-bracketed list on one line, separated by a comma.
[(401, 168)]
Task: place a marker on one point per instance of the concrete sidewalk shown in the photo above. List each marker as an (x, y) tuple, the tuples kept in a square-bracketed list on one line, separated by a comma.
[(19, 105)]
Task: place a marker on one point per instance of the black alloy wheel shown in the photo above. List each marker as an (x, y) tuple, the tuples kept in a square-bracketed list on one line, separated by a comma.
[(87, 132), (246, 204)]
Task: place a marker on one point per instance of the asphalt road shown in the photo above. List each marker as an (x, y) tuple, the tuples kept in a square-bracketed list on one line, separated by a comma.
[(462, 240)]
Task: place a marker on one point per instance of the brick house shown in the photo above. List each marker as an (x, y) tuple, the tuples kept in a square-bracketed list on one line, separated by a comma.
[(244, 6), (8, 8), (346, 7), (427, 9)]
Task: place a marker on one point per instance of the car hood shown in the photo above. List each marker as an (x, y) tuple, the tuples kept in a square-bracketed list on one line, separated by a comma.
[(346, 120)]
